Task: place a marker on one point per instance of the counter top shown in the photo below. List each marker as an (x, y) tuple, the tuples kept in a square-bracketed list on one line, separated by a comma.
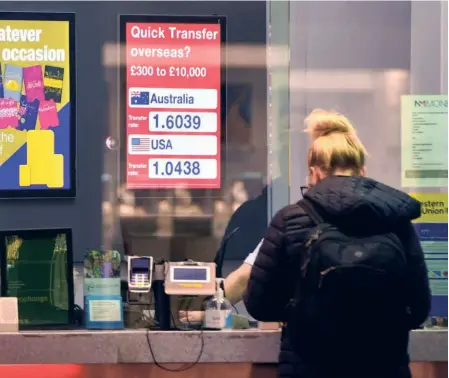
[(131, 346)]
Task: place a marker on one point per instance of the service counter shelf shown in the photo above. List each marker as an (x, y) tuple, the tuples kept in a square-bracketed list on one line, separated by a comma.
[(131, 346)]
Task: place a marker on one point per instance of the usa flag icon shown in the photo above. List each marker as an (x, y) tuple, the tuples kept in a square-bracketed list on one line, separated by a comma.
[(139, 97), (139, 145)]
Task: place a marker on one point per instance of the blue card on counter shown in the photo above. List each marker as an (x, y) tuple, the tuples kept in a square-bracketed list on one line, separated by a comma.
[(103, 312)]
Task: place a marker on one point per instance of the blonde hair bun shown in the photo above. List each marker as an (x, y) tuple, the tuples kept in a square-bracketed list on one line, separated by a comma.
[(321, 123)]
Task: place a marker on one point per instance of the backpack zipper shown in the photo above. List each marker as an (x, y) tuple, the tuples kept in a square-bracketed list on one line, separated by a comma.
[(324, 273), (332, 268), (314, 236)]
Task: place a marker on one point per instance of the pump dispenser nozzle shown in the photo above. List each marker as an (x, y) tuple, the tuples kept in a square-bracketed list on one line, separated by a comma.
[(218, 309), (219, 290)]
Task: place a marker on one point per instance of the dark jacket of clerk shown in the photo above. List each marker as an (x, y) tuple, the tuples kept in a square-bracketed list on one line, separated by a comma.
[(346, 199)]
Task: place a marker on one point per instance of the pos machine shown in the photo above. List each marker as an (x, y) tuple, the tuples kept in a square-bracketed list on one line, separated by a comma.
[(140, 274), (190, 278), (185, 278)]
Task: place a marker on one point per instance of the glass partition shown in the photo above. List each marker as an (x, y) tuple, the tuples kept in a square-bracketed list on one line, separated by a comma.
[(384, 65), (185, 222), (282, 59), (278, 54)]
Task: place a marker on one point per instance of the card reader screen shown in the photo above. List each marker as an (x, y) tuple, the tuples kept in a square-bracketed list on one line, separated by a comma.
[(139, 265), (190, 274)]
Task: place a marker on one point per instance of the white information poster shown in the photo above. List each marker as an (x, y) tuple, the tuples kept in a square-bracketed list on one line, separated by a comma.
[(424, 140)]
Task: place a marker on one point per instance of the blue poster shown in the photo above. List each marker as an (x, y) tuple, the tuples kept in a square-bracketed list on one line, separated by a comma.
[(433, 237)]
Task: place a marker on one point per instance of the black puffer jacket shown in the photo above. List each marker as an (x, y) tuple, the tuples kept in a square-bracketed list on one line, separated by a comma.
[(351, 202)]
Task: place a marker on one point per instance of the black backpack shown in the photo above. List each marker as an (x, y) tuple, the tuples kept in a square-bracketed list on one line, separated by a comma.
[(349, 296)]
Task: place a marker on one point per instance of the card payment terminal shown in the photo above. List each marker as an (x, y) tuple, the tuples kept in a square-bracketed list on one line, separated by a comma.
[(140, 274), (190, 278)]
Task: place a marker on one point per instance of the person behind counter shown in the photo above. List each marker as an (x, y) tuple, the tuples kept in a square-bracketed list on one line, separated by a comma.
[(243, 234), (235, 285), (242, 239), (346, 320)]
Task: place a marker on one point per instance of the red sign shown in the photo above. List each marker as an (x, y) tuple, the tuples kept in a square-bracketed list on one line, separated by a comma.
[(173, 105), (41, 371)]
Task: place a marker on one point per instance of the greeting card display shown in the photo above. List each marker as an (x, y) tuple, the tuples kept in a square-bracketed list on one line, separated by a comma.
[(38, 98)]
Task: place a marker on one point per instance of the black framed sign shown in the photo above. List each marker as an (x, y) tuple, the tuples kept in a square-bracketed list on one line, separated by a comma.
[(37, 268), (37, 105)]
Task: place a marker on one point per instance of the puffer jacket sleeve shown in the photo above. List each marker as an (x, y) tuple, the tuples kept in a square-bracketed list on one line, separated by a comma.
[(266, 297), (418, 290)]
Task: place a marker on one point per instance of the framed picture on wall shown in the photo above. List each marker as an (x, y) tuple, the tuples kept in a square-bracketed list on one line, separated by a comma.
[(37, 269), (37, 105)]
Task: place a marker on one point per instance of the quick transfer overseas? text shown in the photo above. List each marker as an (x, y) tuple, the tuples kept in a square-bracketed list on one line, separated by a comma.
[(173, 33)]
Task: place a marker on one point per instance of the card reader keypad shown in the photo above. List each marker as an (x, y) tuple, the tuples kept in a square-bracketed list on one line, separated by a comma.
[(140, 280)]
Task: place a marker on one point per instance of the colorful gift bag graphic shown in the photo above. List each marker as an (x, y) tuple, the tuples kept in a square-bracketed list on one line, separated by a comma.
[(1, 83), (8, 113), (12, 83), (34, 83), (53, 80), (48, 115), (28, 113)]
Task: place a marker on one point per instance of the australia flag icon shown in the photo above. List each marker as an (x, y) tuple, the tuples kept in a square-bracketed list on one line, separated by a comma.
[(140, 97)]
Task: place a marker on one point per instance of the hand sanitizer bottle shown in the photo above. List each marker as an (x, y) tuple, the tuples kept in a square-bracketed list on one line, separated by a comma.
[(218, 310)]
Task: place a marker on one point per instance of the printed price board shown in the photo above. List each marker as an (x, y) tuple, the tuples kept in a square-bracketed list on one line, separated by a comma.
[(173, 102)]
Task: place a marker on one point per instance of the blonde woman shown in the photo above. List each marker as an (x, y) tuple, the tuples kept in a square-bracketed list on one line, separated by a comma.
[(343, 267)]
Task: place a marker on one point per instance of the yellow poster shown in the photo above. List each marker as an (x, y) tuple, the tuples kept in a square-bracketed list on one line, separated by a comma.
[(35, 110), (434, 207)]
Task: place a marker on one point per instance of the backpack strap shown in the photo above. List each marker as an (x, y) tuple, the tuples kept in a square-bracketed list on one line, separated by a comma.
[(321, 224), (309, 208)]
